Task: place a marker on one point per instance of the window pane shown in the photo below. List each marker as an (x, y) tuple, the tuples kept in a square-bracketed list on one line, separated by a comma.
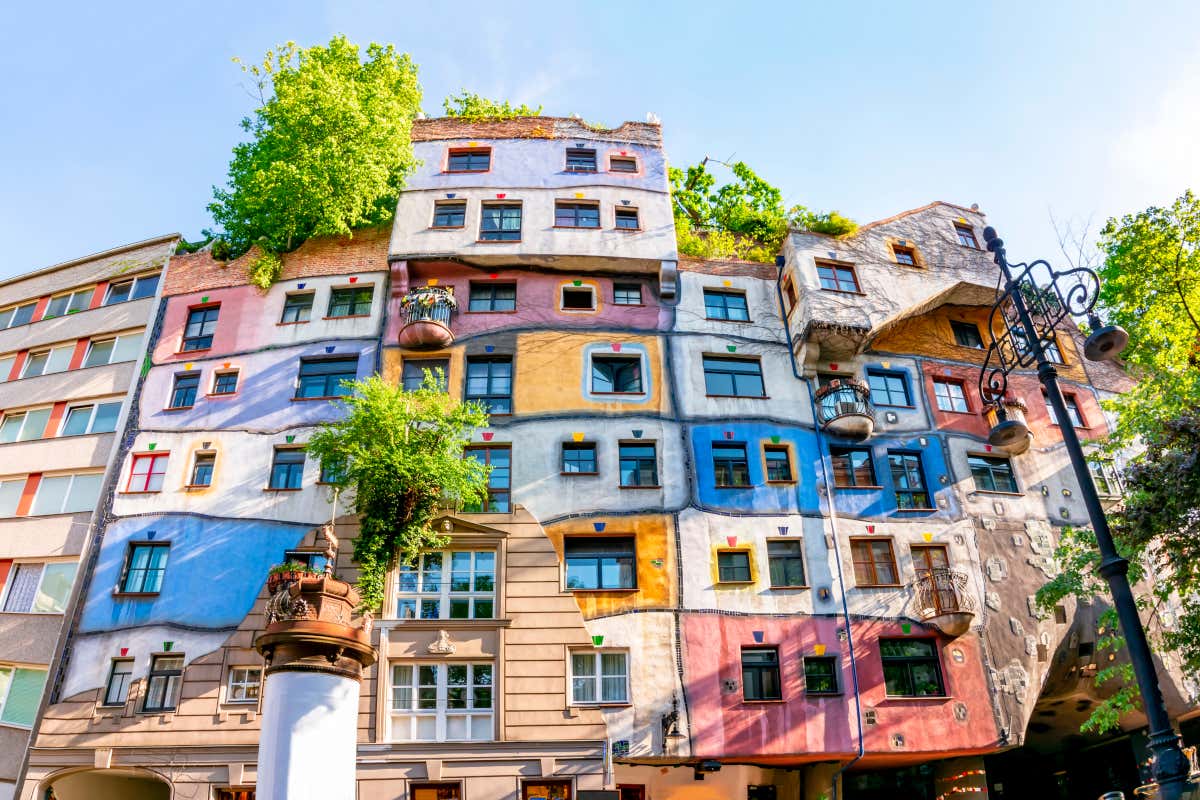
[(55, 588), (118, 292), (35, 424), (99, 353), (59, 359), (51, 495), (106, 417), (145, 286), (22, 587), (127, 347), (10, 496), (84, 492), (24, 693)]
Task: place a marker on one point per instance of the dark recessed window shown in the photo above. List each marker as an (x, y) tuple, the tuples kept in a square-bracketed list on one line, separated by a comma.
[(324, 377), (578, 298), (852, 467), (789, 293), (287, 468), (950, 395), (475, 159), (779, 463), (163, 683), (449, 215), (733, 566), (874, 562), (489, 381), (622, 164), (966, 235), (966, 334), (627, 219), (576, 215), (201, 323), (729, 306), (909, 480), (837, 277), (183, 395), (493, 297), (579, 458), (581, 159), (499, 479), (225, 383), (116, 689), (297, 307), (413, 377), (760, 674), (888, 388), (992, 474), (627, 294), (617, 375), (820, 675), (145, 565), (500, 222), (730, 465), (786, 560), (911, 668), (354, 302), (595, 562), (202, 469), (733, 377), (639, 464), (904, 255)]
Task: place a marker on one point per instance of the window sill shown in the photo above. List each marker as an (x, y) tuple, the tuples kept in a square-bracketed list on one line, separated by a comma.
[(746, 702), (967, 413), (857, 488), (734, 583), (789, 482), (789, 588), (820, 695), (627, 230), (617, 394), (283, 489), (575, 227), (497, 241), (887, 405), (192, 487), (348, 316), (740, 396), (490, 311), (630, 305), (144, 491), (601, 705), (465, 171), (297, 322), (1000, 493), (437, 624), (135, 594), (192, 352), (578, 474), (730, 486), (623, 590), (915, 510), (903, 698), (220, 394), (879, 586), (722, 319), (446, 227), (843, 291), (655, 486), (323, 397), (178, 408), (592, 310)]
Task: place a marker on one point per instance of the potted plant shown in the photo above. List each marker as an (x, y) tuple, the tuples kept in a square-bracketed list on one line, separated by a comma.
[(288, 572)]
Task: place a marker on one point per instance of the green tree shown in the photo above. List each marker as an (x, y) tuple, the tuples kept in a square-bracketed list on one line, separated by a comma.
[(399, 457), (329, 146), (471, 106)]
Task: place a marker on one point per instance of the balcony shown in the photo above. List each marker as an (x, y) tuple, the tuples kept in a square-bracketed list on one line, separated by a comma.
[(426, 314), (942, 600), (844, 407)]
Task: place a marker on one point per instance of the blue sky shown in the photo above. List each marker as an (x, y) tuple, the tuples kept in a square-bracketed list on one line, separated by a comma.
[(119, 119)]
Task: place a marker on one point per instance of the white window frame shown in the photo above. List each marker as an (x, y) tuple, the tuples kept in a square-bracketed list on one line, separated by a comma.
[(116, 340), (8, 585), (410, 714), (570, 287), (13, 669), (24, 413), (71, 304), (108, 301), (949, 395), (231, 684), (597, 676), (108, 680), (66, 494), (444, 595), (21, 481), (94, 406)]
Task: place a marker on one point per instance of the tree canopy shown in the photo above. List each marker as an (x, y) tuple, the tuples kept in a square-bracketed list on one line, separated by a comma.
[(329, 145), (472, 106)]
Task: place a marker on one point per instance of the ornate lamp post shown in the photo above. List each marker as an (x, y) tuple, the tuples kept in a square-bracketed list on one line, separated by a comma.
[(1028, 315)]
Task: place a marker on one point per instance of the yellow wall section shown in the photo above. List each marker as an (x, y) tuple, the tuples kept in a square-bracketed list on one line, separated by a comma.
[(550, 373)]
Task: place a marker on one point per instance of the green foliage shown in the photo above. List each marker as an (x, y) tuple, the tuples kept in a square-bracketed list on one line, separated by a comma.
[(471, 106), (329, 145), (264, 270), (184, 246), (292, 566), (400, 457)]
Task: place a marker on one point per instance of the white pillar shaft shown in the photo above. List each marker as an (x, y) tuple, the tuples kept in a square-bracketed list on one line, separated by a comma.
[(308, 744)]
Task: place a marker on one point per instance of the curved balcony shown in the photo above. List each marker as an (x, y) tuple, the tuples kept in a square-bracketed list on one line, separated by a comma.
[(844, 407), (426, 318), (942, 600)]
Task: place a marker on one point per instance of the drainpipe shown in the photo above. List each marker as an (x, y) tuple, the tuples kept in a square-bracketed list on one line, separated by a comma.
[(833, 524)]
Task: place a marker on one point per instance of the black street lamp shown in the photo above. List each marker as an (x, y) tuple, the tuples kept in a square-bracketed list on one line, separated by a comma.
[(1028, 313)]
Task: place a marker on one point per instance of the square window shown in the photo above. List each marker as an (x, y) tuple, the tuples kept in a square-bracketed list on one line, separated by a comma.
[(820, 675), (731, 467), (992, 474), (145, 565), (733, 566), (201, 324), (908, 476), (297, 307), (287, 468), (576, 214), (638, 464), (225, 382), (904, 255), (35, 364), (578, 298), (414, 373), (202, 469), (779, 463), (950, 395), (147, 473), (617, 375), (452, 214), (786, 561), (116, 688), (244, 684), (442, 702), (888, 388), (600, 562), (183, 395), (580, 159), (627, 294), (966, 235), (493, 297), (325, 377), (627, 219), (729, 306), (733, 377), (355, 302), (164, 683), (489, 381), (911, 668), (474, 159), (966, 334), (332, 472), (761, 792), (145, 286), (499, 479), (760, 674), (579, 458), (874, 562), (622, 164), (599, 677), (837, 277), (500, 222)]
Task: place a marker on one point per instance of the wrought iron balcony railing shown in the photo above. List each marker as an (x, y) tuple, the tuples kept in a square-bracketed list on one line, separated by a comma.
[(844, 406), (426, 318), (942, 600)]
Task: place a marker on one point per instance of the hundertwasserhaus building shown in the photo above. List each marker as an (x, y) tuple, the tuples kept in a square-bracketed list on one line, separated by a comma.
[(745, 537)]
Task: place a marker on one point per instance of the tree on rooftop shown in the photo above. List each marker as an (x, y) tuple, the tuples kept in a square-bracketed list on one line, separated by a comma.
[(472, 106)]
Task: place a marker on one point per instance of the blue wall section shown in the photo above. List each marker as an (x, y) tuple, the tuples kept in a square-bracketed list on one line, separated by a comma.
[(760, 497), (882, 502)]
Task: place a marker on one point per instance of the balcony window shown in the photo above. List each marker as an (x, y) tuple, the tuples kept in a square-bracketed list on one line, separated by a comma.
[(200, 327), (760, 674), (820, 675), (626, 219), (731, 467), (992, 474), (413, 376), (20, 693), (244, 685), (597, 563), (966, 235), (874, 562), (442, 702), (183, 395), (627, 294), (489, 381), (297, 307), (287, 468), (136, 289), (727, 306), (500, 222), (837, 277), (37, 588), (449, 214), (779, 464), (622, 164), (888, 388), (950, 396), (581, 159), (164, 683), (145, 565), (911, 668), (599, 677), (733, 566), (576, 214), (936, 588), (909, 480), (24, 426), (786, 561), (355, 302), (116, 688), (475, 159), (225, 382), (468, 592), (617, 375), (493, 297), (111, 351), (499, 479), (325, 377), (202, 469), (733, 377), (579, 458), (638, 464), (91, 418), (966, 334), (67, 494)]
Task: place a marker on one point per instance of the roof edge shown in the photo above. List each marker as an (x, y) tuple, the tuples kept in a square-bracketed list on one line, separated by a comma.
[(84, 259)]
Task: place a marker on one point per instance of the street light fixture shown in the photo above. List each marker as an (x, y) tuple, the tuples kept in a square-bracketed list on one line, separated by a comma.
[(1027, 314)]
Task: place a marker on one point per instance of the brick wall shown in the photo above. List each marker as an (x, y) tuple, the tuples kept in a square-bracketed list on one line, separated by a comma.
[(428, 130)]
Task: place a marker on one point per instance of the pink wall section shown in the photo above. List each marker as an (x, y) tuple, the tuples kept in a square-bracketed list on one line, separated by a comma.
[(725, 726)]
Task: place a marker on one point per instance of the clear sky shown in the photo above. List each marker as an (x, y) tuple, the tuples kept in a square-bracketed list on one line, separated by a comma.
[(117, 119)]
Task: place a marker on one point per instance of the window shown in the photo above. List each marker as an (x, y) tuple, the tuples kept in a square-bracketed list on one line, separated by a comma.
[(1072, 410), (10, 496), (820, 675), (489, 381), (499, 480), (762, 792), (184, 393), (434, 791), (22, 315), (579, 458), (581, 159), (909, 480), (442, 702), (622, 164), (730, 466), (112, 351), (545, 790), (639, 465), (333, 471), (476, 159), (136, 289), (733, 377), (966, 235), (145, 565), (355, 302), (1053, 354), (904, 255), (950, 396), (163, 683), (576, 215), (297, 307), (617, 375), (779, 464), (874, 562), (116, 688), (786, 562), (888, 388), (733, 566), (760, 674), (69, 303), (992, 474), (201, 324), (6, 365), (595, 562), (20, 693), (147, 473), (493, 297), (225, 382), (244, 684), (730, 306), (837, 277), (312, 560), (627, 219), (449, 215), (576, 298), (966, 334), (202, 469), (413, 376), (469, 593), (39, 588), (45, 362), (67, 494), (627, 294), (324, 377), (98, 418), (287, 468), (789, 293), (926, 559), (23, 426), (1105, 477), (911, 668), (599, 677), (500, 222)]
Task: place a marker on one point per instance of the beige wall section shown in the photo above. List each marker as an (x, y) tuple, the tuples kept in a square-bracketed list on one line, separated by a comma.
[(70, 385), (71, 452), (12, 747), (39, 537), (28, 638), (95, 322)]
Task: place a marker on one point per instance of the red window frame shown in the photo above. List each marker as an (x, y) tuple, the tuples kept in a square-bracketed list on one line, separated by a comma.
[(153, 462)]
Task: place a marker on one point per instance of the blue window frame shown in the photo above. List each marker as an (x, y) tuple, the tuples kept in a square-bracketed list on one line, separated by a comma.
[(287, 468), (888, 388)]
